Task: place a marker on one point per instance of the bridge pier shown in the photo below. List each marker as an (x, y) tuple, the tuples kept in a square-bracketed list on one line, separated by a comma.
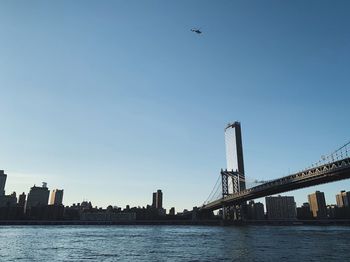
[(234, 173), (232, 212)]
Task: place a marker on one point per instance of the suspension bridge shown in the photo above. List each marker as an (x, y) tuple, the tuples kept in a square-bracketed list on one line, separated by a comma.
[(230, 193)]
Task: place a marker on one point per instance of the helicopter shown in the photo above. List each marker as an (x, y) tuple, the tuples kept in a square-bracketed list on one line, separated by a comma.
[(196, 30)]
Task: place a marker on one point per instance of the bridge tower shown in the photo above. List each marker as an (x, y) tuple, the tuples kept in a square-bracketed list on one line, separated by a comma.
[(233, 178)]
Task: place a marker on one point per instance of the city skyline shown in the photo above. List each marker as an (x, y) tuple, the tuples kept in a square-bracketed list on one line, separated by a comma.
[(55, 197), (104, 100), (37, 207)]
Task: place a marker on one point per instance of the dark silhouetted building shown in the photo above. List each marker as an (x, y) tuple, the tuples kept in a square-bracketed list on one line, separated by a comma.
[(56, 197), (318, 205), (8, 200), (304, 212), (280, 207), (157, 199), (159, 202), (3, 177), (154, 199), (9, 209), (22, 200), (172, 211), (255, 211), (38, 196), (332, 211)]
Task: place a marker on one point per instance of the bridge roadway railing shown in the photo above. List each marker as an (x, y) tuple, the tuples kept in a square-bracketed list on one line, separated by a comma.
[(312, 176)]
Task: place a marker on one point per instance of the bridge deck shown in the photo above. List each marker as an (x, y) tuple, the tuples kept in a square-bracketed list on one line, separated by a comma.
[(329, 172)]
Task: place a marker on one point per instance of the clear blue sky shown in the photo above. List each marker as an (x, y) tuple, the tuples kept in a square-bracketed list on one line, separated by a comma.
[(112, 100)]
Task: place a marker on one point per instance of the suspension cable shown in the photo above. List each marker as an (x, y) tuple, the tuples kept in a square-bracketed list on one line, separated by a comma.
[(217, 181)]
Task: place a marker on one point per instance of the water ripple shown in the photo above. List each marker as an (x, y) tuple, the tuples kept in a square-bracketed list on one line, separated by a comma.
[(173, 243)]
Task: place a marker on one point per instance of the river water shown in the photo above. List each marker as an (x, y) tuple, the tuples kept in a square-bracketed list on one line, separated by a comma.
[(174, 243)]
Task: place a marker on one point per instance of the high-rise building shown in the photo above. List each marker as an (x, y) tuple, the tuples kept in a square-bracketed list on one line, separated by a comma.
[(280, 207), (154, 199), (6, 200), (56, 197), (318, 205), (3, 177), (343, 199), (22, 200), (159, 200), (38, 196)]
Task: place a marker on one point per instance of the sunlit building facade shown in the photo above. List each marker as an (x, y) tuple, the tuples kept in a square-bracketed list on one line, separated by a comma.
[(318, 205), (56, 197)]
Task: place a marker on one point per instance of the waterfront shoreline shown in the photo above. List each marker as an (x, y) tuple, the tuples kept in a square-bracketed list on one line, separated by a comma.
[(178, 223), (117, 223)]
